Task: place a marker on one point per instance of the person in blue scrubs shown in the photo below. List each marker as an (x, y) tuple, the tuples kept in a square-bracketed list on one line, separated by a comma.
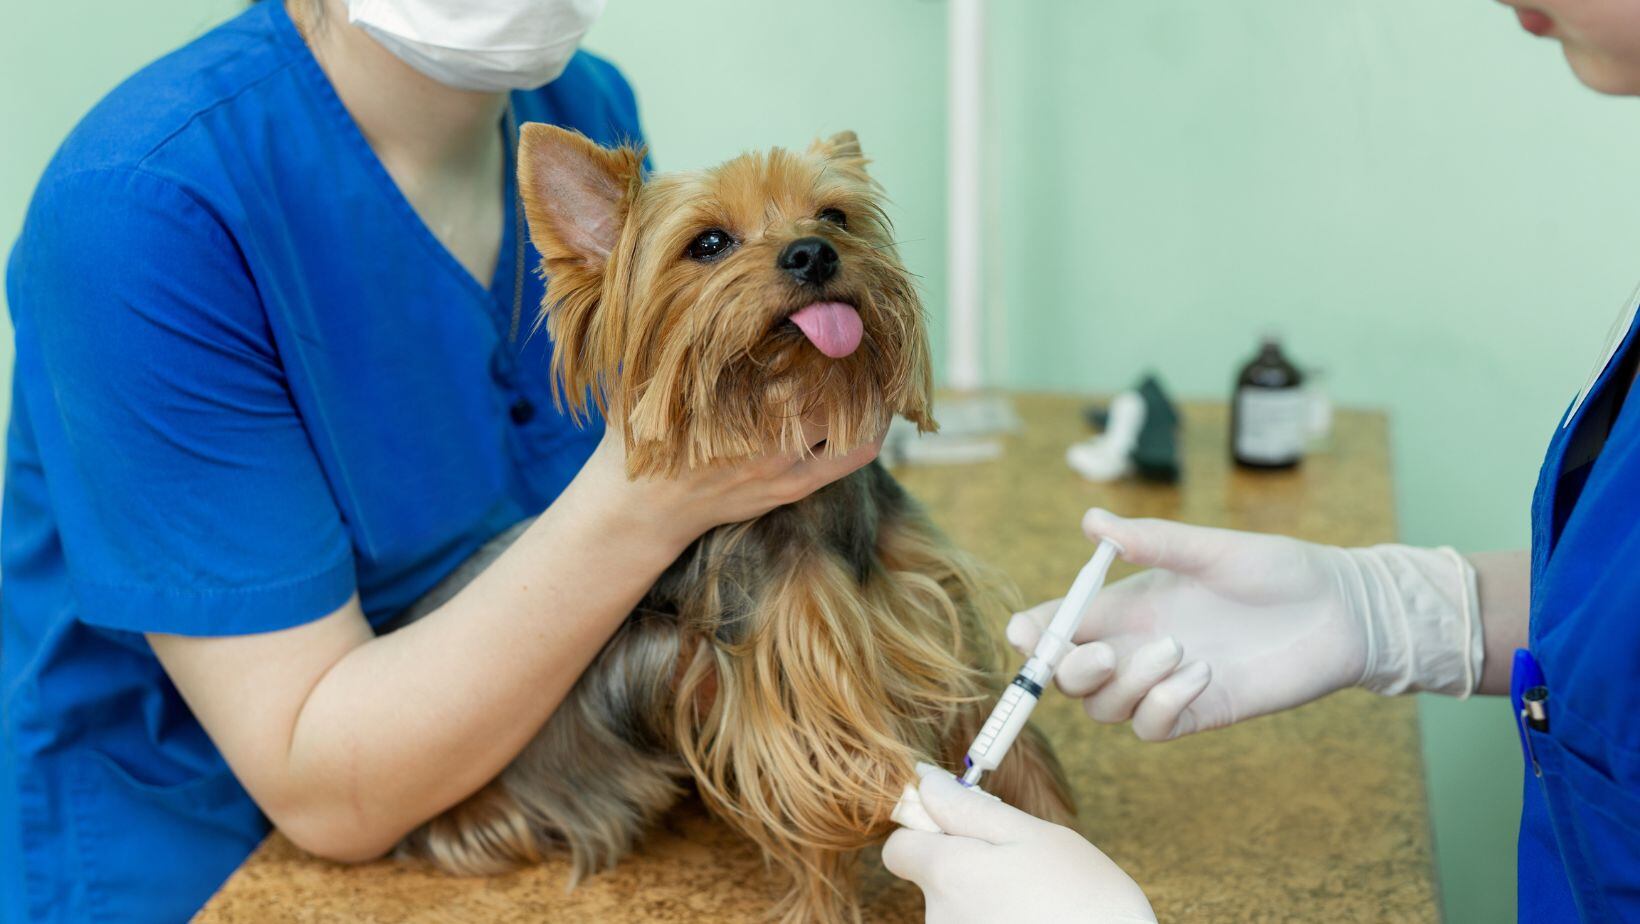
[(1227, 625), (274, 379)]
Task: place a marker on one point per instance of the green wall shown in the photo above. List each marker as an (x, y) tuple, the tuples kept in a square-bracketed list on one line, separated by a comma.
[(1414, 193)]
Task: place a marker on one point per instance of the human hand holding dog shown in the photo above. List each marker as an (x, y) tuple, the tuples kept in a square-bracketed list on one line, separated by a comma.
[(997, 863), (682, 508), (1231, 625)]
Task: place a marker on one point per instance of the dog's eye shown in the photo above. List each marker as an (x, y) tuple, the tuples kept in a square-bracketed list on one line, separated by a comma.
[(835, 216), (709, 244)]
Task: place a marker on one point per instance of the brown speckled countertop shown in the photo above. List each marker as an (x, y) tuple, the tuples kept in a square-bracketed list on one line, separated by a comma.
[(1314, 815)]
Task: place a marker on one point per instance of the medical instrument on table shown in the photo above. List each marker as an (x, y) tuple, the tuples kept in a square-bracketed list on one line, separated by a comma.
[(1011, 712), (970, 432), (1156, 453), (1140, 437), (1109, 455)]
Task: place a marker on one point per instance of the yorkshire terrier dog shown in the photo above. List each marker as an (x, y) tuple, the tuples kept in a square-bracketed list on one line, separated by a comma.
[(794, 667)]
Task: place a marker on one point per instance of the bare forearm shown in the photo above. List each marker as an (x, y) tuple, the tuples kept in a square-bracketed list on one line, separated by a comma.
[(409, 723), (348, 741), (1505, 582)]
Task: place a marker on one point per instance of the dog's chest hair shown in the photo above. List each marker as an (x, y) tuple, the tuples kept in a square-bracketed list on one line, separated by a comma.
[(842, 519)]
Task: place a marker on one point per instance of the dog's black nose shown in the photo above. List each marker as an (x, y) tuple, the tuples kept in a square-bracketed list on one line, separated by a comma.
[(810, 260)]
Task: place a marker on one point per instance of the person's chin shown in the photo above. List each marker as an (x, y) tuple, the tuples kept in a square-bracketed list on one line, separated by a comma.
[(1603, 72)]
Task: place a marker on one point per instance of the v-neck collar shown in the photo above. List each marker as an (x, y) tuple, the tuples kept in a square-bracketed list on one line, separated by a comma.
[(498, 293), (1568, 454)]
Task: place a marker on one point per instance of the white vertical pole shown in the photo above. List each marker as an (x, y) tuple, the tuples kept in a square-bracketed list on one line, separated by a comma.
[(965, 102)]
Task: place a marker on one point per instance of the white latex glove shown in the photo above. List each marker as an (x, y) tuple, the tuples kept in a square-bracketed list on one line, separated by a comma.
[(997, 863), (1230, 625)]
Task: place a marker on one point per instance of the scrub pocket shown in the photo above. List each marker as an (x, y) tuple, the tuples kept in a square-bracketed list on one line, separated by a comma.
[(1597, 827), (150, 851)]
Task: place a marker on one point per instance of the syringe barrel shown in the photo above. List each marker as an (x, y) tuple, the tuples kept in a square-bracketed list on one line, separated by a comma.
[(1014, 708), (1012, 711)]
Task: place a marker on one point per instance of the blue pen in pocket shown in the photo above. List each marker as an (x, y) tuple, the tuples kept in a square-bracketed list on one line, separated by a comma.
[(1529, 695)]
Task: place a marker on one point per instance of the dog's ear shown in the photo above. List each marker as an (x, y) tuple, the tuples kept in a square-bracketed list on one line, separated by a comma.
[(576, 193), (577, 196), (841, 149), (841, 146)]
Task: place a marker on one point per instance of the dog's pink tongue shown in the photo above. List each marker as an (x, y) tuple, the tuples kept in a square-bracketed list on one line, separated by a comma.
[(833, 327)]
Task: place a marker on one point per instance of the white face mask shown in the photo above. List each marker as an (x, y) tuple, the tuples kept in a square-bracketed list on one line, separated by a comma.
[(486, 45)]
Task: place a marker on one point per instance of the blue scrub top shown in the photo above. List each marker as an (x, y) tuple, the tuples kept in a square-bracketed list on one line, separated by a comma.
[(1579, 852), (249, 382)]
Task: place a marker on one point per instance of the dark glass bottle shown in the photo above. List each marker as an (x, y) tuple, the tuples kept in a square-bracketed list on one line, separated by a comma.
[(1269, 412)]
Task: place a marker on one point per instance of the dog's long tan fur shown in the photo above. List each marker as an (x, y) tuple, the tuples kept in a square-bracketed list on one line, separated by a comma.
[(793, 667)]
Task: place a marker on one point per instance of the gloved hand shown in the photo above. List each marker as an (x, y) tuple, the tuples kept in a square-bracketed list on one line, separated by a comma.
[(996, 863), (1230, 625)]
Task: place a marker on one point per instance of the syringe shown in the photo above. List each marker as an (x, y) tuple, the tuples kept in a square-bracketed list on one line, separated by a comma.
[(1011, 712)]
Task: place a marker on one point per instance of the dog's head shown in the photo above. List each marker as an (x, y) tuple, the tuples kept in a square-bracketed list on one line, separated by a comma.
[(710, 315)]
